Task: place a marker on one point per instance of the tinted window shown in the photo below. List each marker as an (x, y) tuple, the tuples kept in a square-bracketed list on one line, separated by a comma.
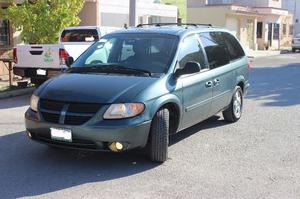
[(82, 35), (190, 50), (151, 52), (233, 46), (215, 48)]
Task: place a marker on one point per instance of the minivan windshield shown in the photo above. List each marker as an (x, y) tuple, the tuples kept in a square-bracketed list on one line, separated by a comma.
[(152, 53)]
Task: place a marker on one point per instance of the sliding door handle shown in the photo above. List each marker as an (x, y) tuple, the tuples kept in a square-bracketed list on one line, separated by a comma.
[(208, 84), (216, 82)]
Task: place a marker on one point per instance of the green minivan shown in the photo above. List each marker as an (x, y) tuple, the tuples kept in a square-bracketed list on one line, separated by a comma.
[(135, 87)]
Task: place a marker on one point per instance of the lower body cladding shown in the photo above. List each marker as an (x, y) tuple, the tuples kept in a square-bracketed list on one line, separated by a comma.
[(97, 138)]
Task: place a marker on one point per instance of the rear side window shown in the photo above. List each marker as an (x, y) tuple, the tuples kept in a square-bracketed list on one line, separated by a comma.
[(215, 48), (191, 50), (79, 35), (234, 48)]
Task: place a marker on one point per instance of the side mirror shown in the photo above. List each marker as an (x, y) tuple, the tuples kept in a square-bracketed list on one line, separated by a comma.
[(189, 68), (69, 61)]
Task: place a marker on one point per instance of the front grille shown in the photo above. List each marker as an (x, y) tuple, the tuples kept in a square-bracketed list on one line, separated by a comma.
[(51, 117), (70, 113), (52, 105)]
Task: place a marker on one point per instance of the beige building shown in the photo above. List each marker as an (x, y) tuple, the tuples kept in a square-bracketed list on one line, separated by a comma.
[(257, 24)]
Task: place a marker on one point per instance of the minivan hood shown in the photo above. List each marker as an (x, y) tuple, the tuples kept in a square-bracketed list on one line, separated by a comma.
[(94, 88)]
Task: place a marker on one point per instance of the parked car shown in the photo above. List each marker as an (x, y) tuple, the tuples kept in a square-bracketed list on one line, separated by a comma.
[(133, 88), (42, 61), (296, 43)]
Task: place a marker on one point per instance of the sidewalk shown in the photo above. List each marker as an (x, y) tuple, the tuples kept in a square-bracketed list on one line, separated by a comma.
[(7, 92), (262, 53)]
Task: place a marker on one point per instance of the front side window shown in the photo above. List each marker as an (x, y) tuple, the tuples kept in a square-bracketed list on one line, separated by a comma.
[(191, 50), (151, 52)]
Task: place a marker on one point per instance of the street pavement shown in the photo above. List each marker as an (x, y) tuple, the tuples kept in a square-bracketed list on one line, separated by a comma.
[(257, 157)]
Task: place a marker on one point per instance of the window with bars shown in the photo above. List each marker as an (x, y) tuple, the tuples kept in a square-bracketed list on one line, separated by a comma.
[(276, 28), (4, 33)]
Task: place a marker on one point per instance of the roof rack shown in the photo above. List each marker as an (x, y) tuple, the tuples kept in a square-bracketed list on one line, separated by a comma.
[(170, 24)]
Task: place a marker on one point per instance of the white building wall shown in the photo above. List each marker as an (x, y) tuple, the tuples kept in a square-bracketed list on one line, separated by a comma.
[(116, 12), (250, 3)]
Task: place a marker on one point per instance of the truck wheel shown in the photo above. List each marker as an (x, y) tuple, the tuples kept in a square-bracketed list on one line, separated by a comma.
[(37, 81), (234, 112), (294, 50), (159, 136)]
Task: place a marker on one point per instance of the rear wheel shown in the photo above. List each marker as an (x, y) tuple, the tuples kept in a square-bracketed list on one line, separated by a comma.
[(159, 136), (294, 50), (234, 112)]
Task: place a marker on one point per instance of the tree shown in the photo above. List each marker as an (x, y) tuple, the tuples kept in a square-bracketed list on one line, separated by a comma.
[(42, 20)]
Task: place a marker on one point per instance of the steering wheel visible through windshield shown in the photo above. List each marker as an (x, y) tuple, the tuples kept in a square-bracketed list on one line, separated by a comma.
[(148, 52)]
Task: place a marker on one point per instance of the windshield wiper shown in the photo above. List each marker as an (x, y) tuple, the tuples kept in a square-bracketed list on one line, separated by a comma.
[(120, 67), (109, 68)]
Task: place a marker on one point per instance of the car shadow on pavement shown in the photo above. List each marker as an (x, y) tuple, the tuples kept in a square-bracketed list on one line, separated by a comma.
[(276, 86), (14, 102), (212, 122), (30, 169)]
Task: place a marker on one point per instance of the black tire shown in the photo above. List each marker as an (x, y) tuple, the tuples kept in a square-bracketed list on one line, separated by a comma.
[(294, 50), (159, 136), (230, 114)]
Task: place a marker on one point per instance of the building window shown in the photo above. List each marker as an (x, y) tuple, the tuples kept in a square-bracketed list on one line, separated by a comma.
[(259, 30), (4, 33), (291, 29), (284, 29), (276, 31)]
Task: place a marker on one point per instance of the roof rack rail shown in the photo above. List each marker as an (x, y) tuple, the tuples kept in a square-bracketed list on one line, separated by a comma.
[(169, 24)]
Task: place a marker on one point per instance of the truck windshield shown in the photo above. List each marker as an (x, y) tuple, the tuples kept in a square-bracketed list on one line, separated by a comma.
[(148, 52), (79, 35)]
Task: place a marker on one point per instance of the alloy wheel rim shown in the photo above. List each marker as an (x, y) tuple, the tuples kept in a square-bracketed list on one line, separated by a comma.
[(237, 104)]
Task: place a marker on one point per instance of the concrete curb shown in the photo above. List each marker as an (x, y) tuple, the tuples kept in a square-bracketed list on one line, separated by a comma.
[(15, 93)]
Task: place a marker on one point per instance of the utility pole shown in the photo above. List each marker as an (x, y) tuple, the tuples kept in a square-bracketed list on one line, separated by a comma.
[(132, 13)]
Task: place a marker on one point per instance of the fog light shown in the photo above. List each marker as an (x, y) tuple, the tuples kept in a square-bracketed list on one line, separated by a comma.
[(115, 146)]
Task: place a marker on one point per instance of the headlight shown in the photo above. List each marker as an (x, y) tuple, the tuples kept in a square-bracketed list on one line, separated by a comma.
[(119, 111), (34, 102)]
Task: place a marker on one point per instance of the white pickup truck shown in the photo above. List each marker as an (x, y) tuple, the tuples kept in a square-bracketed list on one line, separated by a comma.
[(40, 62)]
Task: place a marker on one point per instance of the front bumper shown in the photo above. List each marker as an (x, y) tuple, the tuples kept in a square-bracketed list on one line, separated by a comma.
[(89, 137)]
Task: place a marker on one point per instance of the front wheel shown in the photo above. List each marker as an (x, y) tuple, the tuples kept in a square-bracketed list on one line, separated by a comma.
[(234, 112), (159, 136), (294, 50)]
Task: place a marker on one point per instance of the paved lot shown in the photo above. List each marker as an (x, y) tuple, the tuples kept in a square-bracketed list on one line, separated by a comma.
[(258, 157)]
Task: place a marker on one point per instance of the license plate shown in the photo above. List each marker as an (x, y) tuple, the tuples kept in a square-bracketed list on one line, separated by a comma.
[(41, 72), (61, 134)]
